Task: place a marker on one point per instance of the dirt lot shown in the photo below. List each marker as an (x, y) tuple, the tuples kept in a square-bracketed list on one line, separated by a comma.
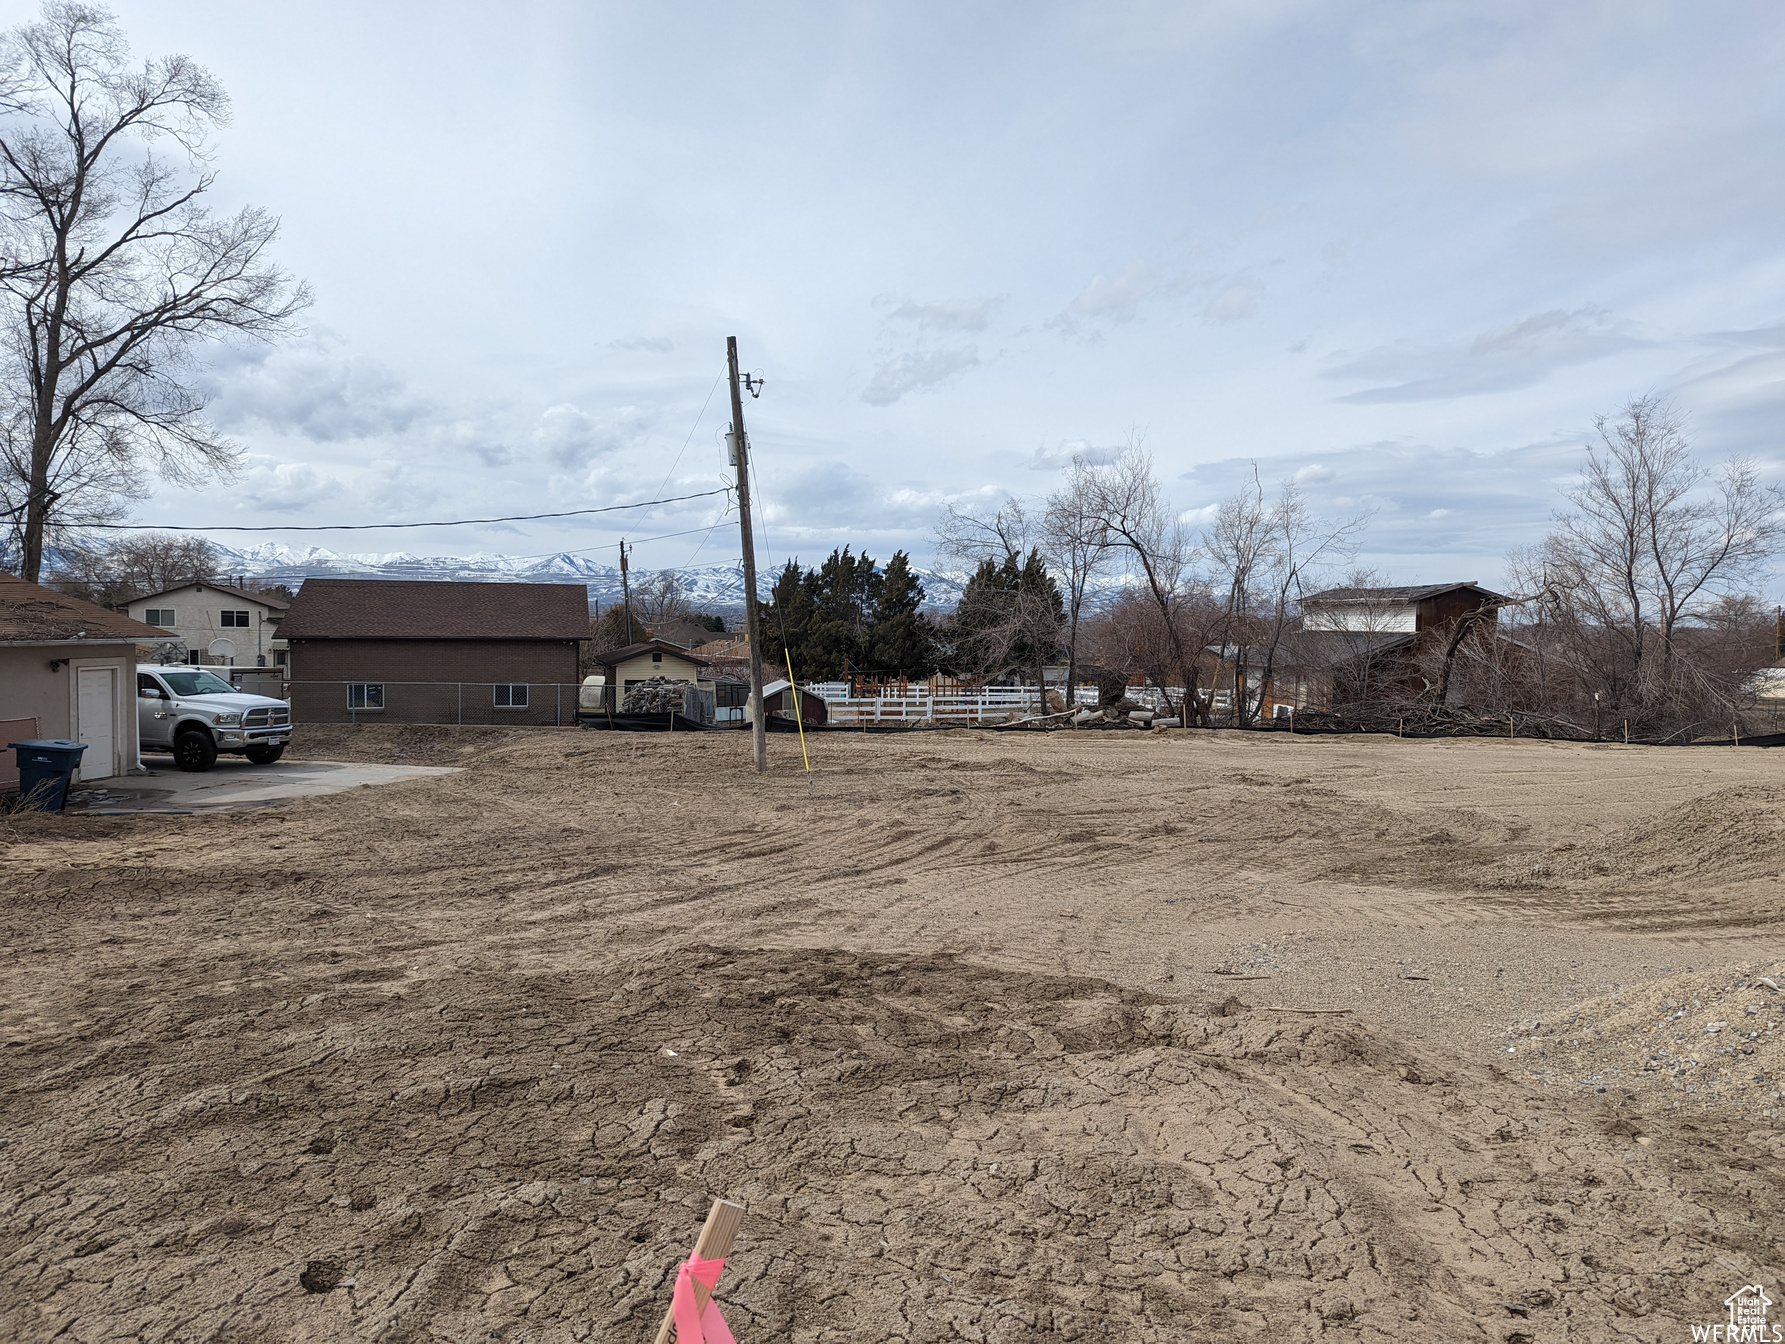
[(1103, 1037)]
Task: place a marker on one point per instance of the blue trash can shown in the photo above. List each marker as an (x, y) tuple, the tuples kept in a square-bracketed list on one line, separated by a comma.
[(46, 765)]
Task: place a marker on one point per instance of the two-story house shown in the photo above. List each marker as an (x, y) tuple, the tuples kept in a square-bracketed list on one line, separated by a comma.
[(217, 625)]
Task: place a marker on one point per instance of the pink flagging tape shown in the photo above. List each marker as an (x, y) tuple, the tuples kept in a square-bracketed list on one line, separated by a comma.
[(695, 1324)]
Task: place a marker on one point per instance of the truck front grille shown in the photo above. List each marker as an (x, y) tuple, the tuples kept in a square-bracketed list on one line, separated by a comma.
[(267, 718)]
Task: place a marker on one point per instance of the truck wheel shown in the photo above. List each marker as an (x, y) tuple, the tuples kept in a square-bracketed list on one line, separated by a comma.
[(194, 750), (264, 755)]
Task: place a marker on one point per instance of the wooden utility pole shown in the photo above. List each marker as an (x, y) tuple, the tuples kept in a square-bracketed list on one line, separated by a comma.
[(626, 589), (740, 451)]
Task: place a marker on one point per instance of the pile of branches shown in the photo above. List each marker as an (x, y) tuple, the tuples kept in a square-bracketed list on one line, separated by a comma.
[(658, 695)]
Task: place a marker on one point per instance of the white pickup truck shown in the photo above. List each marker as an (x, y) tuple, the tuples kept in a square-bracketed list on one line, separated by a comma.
[(196, 715)]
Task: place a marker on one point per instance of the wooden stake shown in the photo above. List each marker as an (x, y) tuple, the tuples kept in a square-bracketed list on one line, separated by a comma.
[(714, 1243)]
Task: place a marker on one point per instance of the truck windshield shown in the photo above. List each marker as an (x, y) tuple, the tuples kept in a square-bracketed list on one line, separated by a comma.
[(197, 683)]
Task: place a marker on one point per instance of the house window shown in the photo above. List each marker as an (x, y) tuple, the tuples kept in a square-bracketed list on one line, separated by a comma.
[(511, 695), (163, 616), (279, 657), (236, 618), (657, 655), (365, 695)]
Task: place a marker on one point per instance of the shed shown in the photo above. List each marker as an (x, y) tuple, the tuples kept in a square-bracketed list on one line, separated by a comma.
[(68, 670), (777, 700), (633, 663), (434, 651)]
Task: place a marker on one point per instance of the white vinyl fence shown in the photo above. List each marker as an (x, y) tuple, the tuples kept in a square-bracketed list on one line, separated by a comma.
[(995, 704)]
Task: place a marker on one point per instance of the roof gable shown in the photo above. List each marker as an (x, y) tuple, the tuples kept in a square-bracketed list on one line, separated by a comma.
[(269, 600), (1414, 593), (30, 613), (436, 609), (614, 657)]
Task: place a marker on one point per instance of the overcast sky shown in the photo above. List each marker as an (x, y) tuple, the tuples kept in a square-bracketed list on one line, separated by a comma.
[(1402, 252)]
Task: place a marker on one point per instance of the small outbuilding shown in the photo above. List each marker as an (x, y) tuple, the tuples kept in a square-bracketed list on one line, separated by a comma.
[(633, 664), (68, 670), (778, 699)]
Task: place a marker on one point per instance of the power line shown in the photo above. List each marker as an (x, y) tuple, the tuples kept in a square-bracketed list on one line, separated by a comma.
[(690, 439), (613, 545), (376, 527)]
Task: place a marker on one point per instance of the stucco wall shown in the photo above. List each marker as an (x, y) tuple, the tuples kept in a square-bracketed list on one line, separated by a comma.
[(198, 615), (29, 689)]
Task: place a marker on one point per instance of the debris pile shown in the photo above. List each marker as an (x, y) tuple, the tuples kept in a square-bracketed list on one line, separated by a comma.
[(658, 695), (1711, 1040)]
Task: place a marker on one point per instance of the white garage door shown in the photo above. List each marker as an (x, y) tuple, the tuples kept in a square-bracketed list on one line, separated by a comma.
[(95, 706)]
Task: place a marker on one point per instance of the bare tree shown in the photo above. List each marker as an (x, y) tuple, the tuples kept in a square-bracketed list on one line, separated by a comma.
[(1077, 547), (1126, 502), (662, 600), (113, 271), (1264, 553), (1655, 539), (117, 572), (1010, 610)]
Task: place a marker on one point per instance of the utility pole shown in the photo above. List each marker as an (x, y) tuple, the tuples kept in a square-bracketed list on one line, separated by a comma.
[(740, 451), (626, 589)]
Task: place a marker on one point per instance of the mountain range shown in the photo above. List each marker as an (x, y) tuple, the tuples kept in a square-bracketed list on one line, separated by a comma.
[(714, 588)]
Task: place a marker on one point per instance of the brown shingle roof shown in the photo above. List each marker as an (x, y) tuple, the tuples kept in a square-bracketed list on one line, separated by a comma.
[(614, 657), (30, 614), (432, 609)]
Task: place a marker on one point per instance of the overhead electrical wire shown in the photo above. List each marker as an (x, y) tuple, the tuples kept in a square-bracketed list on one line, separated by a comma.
[(378, 527), (696, 425), (614, 545)]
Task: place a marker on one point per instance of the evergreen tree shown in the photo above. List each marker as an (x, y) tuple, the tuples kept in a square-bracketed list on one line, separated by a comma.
[(904, 641), (1008, 619), (847, 616)]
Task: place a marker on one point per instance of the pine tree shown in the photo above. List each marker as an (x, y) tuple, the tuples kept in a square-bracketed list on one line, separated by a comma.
[(904, 642)]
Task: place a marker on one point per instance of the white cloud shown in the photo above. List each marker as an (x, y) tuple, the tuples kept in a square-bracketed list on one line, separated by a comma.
[(1112, 298), (571, 438), (1234, 302), (1312, 474), (1497, 360), (915, 371), (974, 316), (266, 486), (314, 389), (654, 345), (1063, 454)]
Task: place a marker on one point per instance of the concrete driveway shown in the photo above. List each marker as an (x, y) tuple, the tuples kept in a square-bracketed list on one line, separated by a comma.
[(232, 782)]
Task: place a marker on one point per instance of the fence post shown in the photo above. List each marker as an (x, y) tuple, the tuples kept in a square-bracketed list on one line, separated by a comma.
[(461, 689), (559, 687)]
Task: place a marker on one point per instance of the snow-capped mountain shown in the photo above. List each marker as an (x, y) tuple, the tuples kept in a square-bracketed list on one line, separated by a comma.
[(715, 588)]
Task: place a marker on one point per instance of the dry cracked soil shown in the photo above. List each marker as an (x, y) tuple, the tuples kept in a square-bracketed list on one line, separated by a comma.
[(1104, 1037)]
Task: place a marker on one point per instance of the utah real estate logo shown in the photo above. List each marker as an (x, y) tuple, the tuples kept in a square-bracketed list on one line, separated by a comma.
[(1747, 1320)]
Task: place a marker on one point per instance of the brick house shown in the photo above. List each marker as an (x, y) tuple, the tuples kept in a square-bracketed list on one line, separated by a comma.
[(422, 651)]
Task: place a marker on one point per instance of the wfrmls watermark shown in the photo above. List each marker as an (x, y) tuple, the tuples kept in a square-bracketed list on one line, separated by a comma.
[(1747, 1320)]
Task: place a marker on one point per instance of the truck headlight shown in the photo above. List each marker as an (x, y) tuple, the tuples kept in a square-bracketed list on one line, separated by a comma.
[(228, 720)]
